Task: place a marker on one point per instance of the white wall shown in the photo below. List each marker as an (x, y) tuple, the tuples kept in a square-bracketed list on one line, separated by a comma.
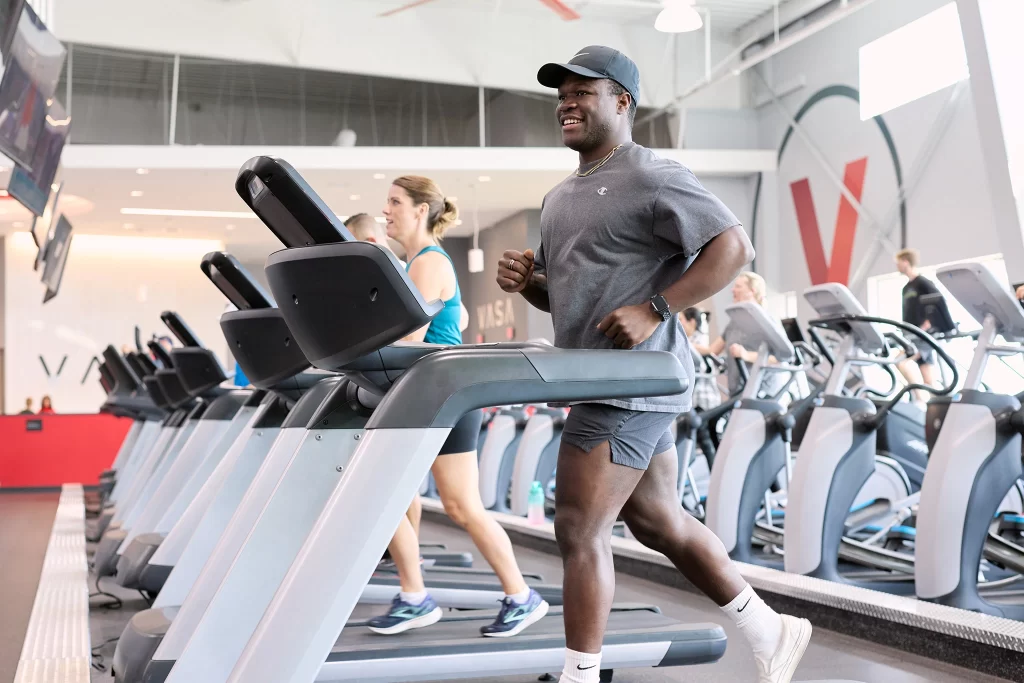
[(949, 214), (110, 285), (467, 44)]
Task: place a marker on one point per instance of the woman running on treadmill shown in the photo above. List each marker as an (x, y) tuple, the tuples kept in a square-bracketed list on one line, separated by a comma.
[(418, 214)]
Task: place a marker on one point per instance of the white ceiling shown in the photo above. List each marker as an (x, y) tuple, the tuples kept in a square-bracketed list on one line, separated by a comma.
[(727, 16)]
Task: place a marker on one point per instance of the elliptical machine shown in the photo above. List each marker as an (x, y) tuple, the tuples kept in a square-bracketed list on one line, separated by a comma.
[(838, 453), (975, 462), (755, 447)]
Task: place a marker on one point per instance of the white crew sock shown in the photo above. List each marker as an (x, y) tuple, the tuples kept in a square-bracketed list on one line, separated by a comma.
[(758, 622), (414, 598), (520, 597), (581, 667)]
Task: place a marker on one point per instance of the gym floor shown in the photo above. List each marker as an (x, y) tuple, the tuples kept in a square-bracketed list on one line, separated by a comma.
[(27, 518)]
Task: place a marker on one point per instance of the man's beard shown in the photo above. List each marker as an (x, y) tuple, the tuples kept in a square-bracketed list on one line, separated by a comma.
[(594, 138)]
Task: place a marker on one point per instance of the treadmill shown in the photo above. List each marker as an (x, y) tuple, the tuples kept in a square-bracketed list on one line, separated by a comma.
[(152, 442), (239, 489), (281, 622), (194, 381)]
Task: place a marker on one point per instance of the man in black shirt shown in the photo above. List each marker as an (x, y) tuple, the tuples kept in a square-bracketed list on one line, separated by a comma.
[(921, 366)]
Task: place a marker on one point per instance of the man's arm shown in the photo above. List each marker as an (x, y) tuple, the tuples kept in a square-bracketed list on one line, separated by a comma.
[(536, 292), (717, 264), (517, 273)]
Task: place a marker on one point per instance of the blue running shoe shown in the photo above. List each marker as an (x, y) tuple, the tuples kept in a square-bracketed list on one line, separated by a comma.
[(403, 616), (515, 617)]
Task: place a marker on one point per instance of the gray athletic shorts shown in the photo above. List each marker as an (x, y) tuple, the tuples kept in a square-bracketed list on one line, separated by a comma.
[(634, 435)]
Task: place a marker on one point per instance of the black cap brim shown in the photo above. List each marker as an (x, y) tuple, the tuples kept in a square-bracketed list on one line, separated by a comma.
[(552, 75)]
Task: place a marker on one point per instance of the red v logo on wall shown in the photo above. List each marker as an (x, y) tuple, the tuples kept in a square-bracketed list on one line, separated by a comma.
[(837, 269)]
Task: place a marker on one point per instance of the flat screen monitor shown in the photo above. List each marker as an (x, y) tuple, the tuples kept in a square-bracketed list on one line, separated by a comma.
[(10, 12), (32, 187), (31, 72), (43, 227), (56, 258)]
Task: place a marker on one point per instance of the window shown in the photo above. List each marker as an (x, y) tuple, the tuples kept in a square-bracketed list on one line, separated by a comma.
[(918, 59), (885, 299)]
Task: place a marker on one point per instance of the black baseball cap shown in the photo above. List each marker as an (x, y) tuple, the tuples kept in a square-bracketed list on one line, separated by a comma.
[(595, 61)]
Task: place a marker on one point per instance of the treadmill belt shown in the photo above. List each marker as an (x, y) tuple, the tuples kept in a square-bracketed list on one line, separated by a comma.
[(460, 633)]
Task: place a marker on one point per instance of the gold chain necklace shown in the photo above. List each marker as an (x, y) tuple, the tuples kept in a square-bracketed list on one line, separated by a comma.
[(598, 165)]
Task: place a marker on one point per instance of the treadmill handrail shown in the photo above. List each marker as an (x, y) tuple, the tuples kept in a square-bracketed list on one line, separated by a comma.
[(469, 377)]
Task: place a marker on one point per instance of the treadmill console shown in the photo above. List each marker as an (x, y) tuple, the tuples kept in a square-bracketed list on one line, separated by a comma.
[(286, 203), (978, 291), (755, 323), (179, 329), (833, 299), (234, 281)]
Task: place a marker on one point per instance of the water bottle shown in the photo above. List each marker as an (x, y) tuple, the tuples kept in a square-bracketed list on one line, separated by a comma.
[(535, 508)]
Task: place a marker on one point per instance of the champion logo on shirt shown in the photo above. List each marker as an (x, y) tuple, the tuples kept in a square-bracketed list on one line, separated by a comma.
[(603, 191)]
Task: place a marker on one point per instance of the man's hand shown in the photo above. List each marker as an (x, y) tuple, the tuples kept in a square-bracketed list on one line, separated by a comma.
[(515, 270), (736, 350), (630, 325), (1020, 292)]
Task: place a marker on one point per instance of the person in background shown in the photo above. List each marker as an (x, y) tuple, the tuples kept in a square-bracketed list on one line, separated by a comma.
[(365, 228), (921, 368), (747, 287), (418, 214), (46, 407), (705, 389), (27, 410)]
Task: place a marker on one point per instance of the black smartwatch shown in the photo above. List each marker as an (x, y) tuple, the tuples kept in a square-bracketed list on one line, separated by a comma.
[(661, 307)]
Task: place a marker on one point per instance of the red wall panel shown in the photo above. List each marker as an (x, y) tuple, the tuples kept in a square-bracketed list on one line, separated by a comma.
[(67, 448)]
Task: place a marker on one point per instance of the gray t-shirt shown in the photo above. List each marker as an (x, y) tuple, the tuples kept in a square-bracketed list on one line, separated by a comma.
[(618, 237)]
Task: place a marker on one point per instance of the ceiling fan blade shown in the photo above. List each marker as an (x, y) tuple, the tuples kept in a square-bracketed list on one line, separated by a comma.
[(415, 3), (561, 9)]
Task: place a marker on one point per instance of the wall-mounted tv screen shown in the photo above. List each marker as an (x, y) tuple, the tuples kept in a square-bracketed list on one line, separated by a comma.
[(31, 70), (43, 227), (32, 187), (10, 12), (56, 258)]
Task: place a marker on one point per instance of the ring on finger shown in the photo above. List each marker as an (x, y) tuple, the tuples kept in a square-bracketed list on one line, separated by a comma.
[(511, 264)]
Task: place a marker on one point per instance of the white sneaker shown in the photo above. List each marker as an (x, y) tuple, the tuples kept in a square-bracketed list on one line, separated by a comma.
[(796, 633)]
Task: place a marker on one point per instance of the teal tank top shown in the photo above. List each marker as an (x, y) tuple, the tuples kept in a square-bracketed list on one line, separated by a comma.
[(444, 328)]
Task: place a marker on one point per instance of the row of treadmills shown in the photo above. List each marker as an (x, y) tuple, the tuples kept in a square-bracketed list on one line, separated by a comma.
[(258, 518)]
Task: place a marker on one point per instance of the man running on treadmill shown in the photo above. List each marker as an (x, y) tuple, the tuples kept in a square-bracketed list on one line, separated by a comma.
[(627, 241)]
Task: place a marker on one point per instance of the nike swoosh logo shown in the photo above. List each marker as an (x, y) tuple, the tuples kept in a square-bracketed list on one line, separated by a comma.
[(744, 606), (584, 668)]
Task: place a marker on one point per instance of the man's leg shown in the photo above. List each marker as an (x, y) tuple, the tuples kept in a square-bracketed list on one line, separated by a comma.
[(658, 522), (911, 372), (929, 373), (590, 491)]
